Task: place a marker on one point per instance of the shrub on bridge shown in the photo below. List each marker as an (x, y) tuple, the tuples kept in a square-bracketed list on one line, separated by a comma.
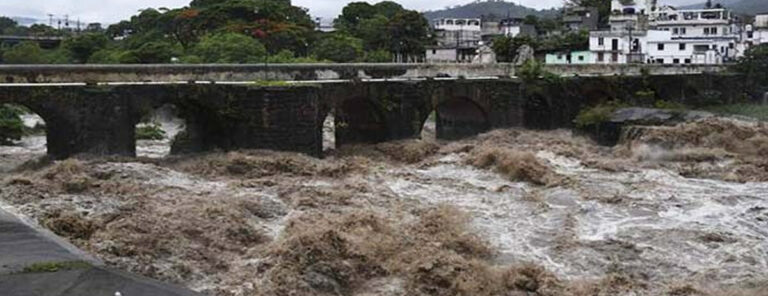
[(11, 125), (598, 114)]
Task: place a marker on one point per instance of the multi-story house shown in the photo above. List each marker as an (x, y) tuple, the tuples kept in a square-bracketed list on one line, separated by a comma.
[(581, 18), (457, 40), (699, 36), (642, 32), (514, 27), (758, 32)]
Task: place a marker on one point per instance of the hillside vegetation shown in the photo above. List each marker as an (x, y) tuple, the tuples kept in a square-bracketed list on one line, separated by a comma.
[(750, 7), (489, 8)]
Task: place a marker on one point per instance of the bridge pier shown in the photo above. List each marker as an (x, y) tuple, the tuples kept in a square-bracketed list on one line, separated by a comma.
[(378, 111), (242, 117), (466, 108), (82, 120)]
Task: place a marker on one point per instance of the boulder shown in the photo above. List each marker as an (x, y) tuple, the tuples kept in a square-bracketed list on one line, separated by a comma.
[(609, 133)]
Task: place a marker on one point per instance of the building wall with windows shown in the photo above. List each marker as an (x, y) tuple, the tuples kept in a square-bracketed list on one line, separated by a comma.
[(761, 20), (610, 47), (574, 58), (687, 52), (457, 24)]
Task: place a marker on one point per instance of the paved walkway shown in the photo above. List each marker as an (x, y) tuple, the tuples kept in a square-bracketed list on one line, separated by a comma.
[(25, 252)]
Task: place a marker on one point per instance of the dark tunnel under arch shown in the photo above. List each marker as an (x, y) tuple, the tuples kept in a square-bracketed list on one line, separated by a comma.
[(458, 118), (359, 121)]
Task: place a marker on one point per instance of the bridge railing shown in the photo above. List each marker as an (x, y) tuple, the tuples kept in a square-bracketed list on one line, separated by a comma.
[(183, 73)]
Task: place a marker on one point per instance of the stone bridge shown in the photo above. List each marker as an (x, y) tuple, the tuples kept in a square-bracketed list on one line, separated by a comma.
[(95, 109)]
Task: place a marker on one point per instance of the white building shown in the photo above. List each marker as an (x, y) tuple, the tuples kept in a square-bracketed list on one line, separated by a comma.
[(514, 27), (457, 32), (641, 32), (457, 40), (758, 33), (698, 36)]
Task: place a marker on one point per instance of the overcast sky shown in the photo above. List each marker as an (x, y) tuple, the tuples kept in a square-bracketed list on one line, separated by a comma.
[(110, 11)]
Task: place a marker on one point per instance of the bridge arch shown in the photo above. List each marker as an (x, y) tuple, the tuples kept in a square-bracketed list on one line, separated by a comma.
[(157, 130), (359, 120), (23, 135), (460, 117)]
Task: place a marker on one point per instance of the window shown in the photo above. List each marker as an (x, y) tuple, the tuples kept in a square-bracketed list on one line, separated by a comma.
[(581, 58), (600, 57), (434, 51), (730, 45), (700, 48), (615, 44), (660, 46), (682, 46), (682, 31), (659, 61), (687, 61), (706, 31), (600, 41), (614, 57), (675, 61), (713, 30), (676, 31)]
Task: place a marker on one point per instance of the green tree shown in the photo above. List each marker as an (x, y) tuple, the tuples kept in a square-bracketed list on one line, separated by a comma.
[(182, 25), (531, 20), (409, 32), (506, 47), (43, 30), (339, 48), (378, 56), (24, 53), (120, 29), (230, 48), (6, 23), (388, 8), (106, 56), (754, 66), (11, 125), (352, 15), (157, 52), (373, 32), (82, 47)]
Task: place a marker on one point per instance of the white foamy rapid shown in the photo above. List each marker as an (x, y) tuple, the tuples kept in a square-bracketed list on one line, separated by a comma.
[(651, 223)]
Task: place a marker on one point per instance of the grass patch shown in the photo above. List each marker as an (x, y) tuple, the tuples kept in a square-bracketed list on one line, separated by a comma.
[(597, 114), (756, 111), (273, 83), (149, 131), (41, 267)]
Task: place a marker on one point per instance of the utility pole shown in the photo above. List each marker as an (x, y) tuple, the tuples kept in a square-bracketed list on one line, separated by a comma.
[(630, 27), (50, 20)]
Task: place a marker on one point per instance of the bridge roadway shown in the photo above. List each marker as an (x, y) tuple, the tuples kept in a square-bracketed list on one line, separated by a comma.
[(175, 73)]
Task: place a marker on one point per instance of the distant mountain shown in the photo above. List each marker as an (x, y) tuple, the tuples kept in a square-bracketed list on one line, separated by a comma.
[(490, 9), (750, 7), (26, 21)]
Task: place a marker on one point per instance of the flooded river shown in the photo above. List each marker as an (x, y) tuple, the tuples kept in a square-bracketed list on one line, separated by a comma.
[(605, 221)]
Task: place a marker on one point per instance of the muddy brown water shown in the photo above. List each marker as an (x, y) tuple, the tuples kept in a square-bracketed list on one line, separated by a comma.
[(647, 222)]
